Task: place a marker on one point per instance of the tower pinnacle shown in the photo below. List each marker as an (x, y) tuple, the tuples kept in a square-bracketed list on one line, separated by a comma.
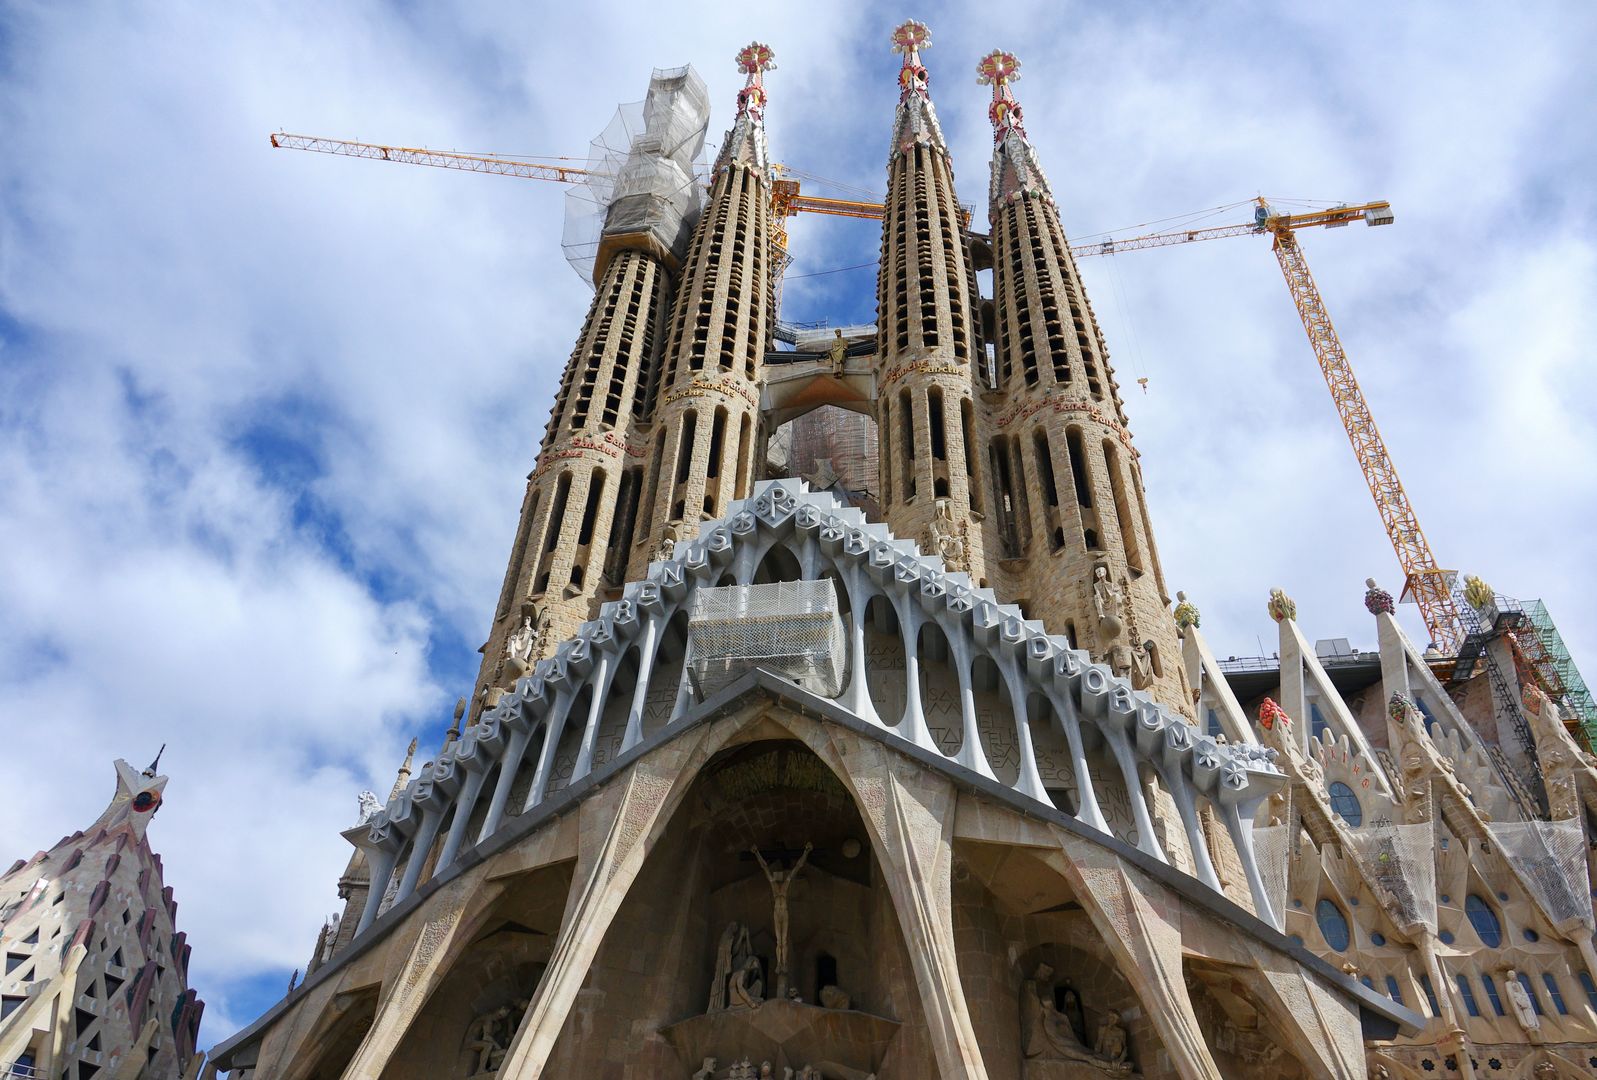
[(1015, 168), (753, 60), (998, 69), (917, 120), (745, 142)]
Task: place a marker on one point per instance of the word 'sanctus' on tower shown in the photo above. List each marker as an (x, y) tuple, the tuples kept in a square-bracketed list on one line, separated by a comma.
[(1069, 508)]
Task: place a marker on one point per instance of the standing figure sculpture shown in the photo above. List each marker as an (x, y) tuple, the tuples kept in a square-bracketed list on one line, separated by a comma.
[(781, 881)]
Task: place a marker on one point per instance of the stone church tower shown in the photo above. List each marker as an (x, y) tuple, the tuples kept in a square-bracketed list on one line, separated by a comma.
[(755, 785), (96, 973)]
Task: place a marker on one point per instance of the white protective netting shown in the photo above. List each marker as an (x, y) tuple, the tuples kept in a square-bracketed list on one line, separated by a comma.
[(644, 165), (790, 628), (1400, 862), (1550, 858), (1272, 846)]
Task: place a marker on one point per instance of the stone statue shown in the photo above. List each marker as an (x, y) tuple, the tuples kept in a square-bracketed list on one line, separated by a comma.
[(747, 989), (1047, 1037), (1120, 660), (946, 537), (1107, 600), (518, 647), (489, 1038), (706, 1071), (1144, 665), (741, 1070), (834, 997), (766, 1072), (781, 881), (1520, 1002), (1112, 1041), (668, 541), (730, 953), (837, 352), (368, 806)]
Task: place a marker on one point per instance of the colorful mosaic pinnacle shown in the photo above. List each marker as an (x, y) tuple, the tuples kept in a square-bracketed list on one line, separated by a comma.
[(910, 38), (753, 60), (998, 69)]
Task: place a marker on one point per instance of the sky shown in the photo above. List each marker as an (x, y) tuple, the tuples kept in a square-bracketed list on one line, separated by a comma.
[(266, 416)]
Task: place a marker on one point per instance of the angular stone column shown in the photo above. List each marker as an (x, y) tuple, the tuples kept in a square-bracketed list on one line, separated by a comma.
[(910, 813), (617, 829)]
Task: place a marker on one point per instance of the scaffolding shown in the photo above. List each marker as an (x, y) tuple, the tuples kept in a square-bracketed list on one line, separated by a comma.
[(643, 170), (789, 628), (1554, 669)]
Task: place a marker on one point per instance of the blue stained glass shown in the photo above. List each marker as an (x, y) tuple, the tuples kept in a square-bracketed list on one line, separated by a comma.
[(1394, 991), (1333, 925), (1591, 990), (1317, 724), (1484, 920), (1346, 803), (1491, 995), (1468, 995), (1552, 992)]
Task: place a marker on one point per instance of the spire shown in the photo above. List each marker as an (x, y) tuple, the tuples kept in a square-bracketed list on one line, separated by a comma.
[(404, 771), (1015, 167), (745, 143), (137, 798), (917, 119)]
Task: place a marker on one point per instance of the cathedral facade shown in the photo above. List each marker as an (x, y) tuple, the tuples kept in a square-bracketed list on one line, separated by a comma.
[(756, 783)]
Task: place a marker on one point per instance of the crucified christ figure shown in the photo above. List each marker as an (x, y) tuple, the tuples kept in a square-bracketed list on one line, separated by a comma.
[(781, 881)]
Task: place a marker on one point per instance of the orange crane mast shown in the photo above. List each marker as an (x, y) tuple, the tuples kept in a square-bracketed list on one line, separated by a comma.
[(1425, 582)]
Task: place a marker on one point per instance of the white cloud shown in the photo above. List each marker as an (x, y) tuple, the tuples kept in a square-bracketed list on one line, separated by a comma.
[(264, 416)]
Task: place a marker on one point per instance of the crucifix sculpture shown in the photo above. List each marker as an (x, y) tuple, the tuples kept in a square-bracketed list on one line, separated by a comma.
[(781, 881)]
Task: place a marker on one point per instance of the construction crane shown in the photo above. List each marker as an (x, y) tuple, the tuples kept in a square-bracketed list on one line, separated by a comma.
[(1425, 582), (786, 199)]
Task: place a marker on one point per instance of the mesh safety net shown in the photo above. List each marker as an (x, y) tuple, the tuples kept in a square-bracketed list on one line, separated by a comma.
[(1550, 858), (790, 628), (1400, 862), (1272, 850)]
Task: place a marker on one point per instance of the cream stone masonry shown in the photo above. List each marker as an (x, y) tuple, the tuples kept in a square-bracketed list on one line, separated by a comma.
[(1072, 517), (96, 974), (707, 435), (927, 336)]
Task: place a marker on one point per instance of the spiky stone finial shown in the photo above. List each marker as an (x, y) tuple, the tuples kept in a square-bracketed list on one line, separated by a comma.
[(1281, 606), (1377, 601), (753, 60), (998, 69)]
